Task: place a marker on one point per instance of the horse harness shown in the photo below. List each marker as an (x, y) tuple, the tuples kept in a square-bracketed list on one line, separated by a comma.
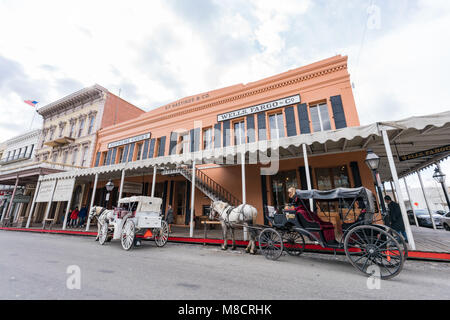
[(231, 208)]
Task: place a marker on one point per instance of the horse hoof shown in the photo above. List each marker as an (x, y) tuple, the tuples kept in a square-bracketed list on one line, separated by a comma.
[(224, 248), (233, 248)]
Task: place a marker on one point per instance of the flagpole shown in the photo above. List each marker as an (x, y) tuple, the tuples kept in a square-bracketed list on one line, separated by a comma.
[(32, 120)]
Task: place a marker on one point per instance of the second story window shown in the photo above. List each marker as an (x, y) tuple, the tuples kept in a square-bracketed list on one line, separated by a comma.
[(72, 129), (52, 131), (184, 142), (74, 157), (239, 132), (61, 131), (66, 154), (207, 139), (91, 124), (276, 125), (84, 156), (139, 152), (80, 130), (320, 118)]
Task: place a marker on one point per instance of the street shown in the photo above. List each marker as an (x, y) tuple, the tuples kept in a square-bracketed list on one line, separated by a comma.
[(34, 266)]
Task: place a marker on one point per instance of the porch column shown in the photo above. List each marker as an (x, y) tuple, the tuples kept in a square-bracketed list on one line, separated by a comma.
[(393, 192), (4, 211), (92, 201), (8, 213), (308, 178), (122, 179), (69, 203), (191, 225), (153, 181), (33, 203), (244, 193), (49, 205), (410, 201), (387, 146), (426, 199), (444, 186)]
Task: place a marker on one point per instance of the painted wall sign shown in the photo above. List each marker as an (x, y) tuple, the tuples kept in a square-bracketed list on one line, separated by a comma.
[(430, 152), (259, 108), (134, 188), (63, 191), (45, 191), (129, 140)]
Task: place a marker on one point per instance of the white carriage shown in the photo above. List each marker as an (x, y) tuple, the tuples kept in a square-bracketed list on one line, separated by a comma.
[(135, 219)]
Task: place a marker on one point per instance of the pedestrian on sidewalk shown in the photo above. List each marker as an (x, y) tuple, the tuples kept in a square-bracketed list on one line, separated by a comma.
[(169, 217), (395, 216), (82, 216), (74, 217)]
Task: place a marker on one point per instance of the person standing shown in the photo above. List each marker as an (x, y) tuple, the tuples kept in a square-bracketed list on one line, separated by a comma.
[(73, 217), (82, 216), (395, 217), (169, 217)]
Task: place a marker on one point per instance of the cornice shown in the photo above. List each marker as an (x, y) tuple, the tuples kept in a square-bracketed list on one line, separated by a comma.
[(23, 137)]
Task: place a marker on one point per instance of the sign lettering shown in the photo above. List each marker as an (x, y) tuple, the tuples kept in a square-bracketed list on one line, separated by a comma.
[(430, 152), (129, 140)]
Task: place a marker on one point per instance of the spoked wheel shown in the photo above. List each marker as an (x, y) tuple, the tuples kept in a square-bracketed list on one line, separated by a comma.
[(397, 236), (103, 236), (373, 251), (128, 234), (271, 244), (162, 234), (294, 243)]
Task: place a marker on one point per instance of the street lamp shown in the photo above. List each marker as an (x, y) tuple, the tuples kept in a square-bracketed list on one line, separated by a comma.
[(440, 178), (373, 162), (109, 187)]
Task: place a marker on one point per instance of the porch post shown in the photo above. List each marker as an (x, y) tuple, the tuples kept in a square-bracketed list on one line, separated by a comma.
[(387, 146), (244, 193), (444, 187), (47, 210), (69, 203), (153, 182), (393, 192), (308, 178), (122, 179), (92, 201), (12, 199), (33, 204), (191, 225), (410, 201), (426, 199)]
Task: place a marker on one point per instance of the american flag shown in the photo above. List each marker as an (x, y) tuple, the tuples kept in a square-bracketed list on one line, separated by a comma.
[(31, 102)]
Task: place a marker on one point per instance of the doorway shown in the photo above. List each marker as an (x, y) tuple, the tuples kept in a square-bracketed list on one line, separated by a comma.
[(180, 202)]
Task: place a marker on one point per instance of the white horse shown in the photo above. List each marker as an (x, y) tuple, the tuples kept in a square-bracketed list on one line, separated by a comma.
[(103, 216), (228, 215)]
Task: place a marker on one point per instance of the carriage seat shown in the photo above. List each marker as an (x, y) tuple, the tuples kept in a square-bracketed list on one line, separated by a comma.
[(312, 220), (121, 212)]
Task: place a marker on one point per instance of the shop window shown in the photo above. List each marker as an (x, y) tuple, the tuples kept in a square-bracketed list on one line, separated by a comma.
[(239, 132), (207, 139), (320, 118), (276, 125), (331, 178), (281, 182)]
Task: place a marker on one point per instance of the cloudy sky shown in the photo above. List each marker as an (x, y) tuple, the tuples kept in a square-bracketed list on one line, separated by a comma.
[(159, 51)]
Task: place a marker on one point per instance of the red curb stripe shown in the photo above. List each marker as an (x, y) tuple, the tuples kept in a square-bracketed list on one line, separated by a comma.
[(419, 255)]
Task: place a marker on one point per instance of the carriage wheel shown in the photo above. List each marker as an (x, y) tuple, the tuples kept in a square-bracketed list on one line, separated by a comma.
[(271, 244), (103, 236), (373, 251), (161, 234), (294, 243), (128, 234)]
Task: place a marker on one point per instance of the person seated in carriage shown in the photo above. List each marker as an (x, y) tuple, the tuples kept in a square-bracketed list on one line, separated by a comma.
[(327, 227)]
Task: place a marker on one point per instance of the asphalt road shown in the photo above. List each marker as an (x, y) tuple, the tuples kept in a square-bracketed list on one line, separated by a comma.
[(34, 266)]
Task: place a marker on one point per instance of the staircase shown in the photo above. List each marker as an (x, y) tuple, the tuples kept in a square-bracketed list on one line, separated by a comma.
[(208, 186)]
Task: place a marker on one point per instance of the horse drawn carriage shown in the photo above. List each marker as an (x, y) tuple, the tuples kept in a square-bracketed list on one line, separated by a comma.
[(136, 218), (344, 220)]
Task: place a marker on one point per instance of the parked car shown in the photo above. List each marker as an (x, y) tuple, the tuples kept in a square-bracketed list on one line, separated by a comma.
[(423, 218), (446, 221), (441, 212)]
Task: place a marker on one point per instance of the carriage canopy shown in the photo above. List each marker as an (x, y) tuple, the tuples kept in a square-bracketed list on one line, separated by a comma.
[(142, 203)]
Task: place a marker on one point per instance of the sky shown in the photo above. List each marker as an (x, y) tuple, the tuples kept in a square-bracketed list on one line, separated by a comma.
[(156, 52)]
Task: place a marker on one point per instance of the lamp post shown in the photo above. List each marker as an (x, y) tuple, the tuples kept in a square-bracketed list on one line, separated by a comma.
[(109, 187), (373, 162), (440, 178)]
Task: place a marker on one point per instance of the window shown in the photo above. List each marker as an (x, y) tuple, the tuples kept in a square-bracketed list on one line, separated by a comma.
[(74, 157), (54, 158), (120, 156), (72, 129), (184, 142), (7, 157), (61, 130), (84, 157), (91, 124), (80, 130), (239, 132), (104, 158), (25, 151), (65, 155), (276, 125), (281, 182), (52, 131), (139, 152), (13, 155), (207, 139), (320, 118), (331, 178)]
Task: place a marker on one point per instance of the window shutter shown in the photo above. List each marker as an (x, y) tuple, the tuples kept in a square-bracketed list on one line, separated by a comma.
[(162, 146), (303, 118), (173, 143), (97, 159), (251, 128), (191, 141), (108, 157), (130, 153), (338, 112), (151, 151), (262, 132), (290, 122), (226, 133), (188, 203), (113, 157), (217, 134), (356, 175), (145, 151), (125, 153)]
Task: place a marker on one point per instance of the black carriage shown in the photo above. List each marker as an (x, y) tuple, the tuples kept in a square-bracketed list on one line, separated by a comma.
[(344, 220)]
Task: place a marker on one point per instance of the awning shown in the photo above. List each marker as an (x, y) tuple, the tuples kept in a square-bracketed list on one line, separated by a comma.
[(407, 136)]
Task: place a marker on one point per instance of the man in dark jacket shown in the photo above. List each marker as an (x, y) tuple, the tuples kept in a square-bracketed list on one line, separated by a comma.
[(395, 216)]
